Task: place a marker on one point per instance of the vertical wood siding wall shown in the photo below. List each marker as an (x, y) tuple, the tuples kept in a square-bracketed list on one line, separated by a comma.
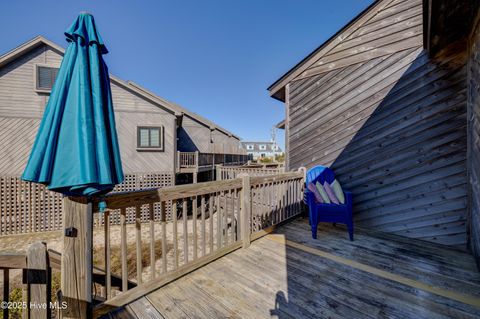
[(392, 123), (474, 140)]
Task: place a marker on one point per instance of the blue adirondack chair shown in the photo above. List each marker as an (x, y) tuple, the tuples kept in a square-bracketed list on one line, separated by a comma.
[(320, 212)]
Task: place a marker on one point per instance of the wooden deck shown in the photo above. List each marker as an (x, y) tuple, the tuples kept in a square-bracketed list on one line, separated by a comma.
[(289, 275)]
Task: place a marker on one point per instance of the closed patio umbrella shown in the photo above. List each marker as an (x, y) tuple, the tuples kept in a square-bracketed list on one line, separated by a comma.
[(76, 150)]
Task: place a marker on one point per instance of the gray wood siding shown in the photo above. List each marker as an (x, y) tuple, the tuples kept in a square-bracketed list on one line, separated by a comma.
[(474, 140), (235, 142), (394, 28), (17, 95), (228, 143), (193, 136), (391, 122), (132, 110), (21, 109), (16, 139)]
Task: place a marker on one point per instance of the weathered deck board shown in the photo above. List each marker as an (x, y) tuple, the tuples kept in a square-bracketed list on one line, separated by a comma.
[(430, 265), (304, 279)]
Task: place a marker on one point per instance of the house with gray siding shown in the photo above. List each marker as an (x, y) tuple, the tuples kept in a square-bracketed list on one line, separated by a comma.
[(152, 131), (390, 103)]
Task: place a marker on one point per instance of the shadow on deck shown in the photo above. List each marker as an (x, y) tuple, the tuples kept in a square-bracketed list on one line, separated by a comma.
[(289, 275)]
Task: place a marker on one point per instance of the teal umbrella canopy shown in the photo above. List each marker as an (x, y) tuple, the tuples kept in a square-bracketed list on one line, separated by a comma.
[(76, 150)]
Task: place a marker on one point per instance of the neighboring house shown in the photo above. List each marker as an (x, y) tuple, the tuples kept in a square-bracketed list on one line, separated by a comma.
[(151, 130), (384, 102), (256, 150)]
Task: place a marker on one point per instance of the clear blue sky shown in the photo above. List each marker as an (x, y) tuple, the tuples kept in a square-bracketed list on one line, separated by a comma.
[(215, 58)]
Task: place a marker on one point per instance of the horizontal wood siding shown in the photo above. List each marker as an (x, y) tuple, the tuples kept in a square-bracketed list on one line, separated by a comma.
[(392, 123), (474, 141)]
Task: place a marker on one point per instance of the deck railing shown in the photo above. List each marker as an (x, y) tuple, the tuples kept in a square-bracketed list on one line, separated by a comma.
[(187, 159), (36, 264), (39, 296), (231, 172), (197, 159), (205, 159), (211, 220)]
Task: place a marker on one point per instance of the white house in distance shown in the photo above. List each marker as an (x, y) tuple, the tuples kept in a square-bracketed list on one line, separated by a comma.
[(256, 150)]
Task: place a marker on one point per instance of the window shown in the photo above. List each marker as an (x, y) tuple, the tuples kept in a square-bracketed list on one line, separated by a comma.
[(45, 78), (262, 147), (249, 147), (275, 147), (150, 138)]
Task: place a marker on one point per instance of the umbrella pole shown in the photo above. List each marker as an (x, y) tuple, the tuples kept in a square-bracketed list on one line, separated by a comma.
[(76, 271)]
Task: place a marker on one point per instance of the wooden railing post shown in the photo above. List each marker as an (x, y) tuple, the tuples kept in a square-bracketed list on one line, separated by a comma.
[(304, 185), (213, 168), (196, 158), (6, 290), (37, 277), (76, 275), (177, 167), (304, 171), (246, 208)]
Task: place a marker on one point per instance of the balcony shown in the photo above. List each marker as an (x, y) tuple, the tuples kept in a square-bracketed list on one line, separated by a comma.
[(196, 162)]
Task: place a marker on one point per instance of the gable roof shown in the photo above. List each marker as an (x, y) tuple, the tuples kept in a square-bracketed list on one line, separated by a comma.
[(277, 89), (169, 106), (437, 18), (256, 146), (183, 111)]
